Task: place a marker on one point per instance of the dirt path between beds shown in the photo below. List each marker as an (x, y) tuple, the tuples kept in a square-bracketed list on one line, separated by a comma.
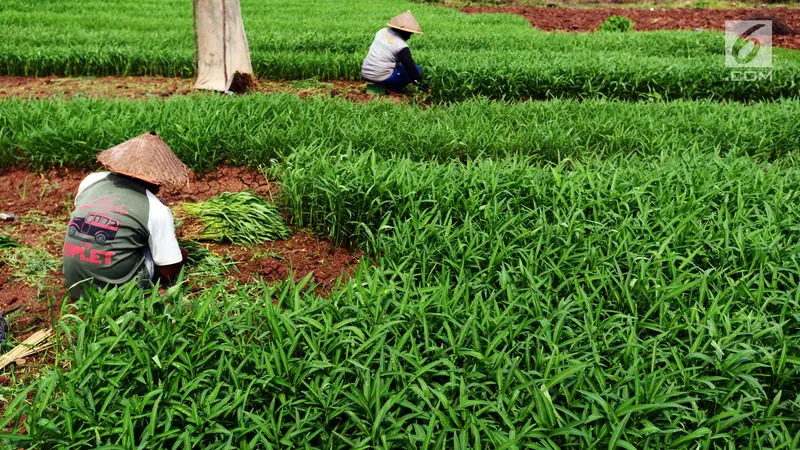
[(143, 88)]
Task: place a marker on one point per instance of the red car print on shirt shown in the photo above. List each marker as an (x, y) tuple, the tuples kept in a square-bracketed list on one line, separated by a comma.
[(102, 228)]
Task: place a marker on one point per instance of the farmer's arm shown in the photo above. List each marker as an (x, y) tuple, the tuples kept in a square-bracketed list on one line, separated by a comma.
[(409, 65), (167, 256), (171, 272)]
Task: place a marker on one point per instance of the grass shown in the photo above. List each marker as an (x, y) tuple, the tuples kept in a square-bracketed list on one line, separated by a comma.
[(625, 302), (462, 56), (239, 218), (31, 265), (253, 130)]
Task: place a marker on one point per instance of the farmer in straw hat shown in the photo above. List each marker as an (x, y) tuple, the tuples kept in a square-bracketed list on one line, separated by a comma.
[(119, 231), (389, 62)]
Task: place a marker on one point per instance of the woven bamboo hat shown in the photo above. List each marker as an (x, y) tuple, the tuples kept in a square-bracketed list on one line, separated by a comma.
[(405, 22), (147, 158)]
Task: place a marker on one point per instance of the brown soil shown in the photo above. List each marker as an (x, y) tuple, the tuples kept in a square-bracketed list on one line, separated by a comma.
[(30, 318), (581, 19), (301, 254), (44, 201), (161, 87), (224, 179)]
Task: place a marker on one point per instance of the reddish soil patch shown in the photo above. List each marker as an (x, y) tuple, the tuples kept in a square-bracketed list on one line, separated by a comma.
[(301, 254), (111, 86), (44, 201), (580, 19), (50, 192), (224, 179), (160, 87), (33, 316)]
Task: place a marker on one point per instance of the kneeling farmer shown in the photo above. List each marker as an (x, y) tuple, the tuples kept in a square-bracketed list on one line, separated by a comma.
[(119, 231), (389, 62)]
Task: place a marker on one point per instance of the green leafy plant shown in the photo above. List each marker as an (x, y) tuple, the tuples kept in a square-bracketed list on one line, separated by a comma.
[(617, 24), (239, 218), (31, 265), (7, 242), (310, 83)]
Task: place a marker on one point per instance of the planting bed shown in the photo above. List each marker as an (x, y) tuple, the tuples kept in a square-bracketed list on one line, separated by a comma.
[(255, 130), (589, 19)]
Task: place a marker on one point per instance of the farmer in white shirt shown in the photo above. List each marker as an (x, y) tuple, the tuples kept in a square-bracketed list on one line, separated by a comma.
[(389, 62), (119, 230)]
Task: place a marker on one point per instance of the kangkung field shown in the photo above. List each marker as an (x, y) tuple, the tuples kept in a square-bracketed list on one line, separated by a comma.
[(581, 233)]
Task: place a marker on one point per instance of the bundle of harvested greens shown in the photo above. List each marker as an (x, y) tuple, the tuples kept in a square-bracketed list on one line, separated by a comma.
[(239, 218)]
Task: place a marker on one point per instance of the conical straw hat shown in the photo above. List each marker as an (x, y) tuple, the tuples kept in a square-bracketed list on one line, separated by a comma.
[(405, 22), (147, 158)]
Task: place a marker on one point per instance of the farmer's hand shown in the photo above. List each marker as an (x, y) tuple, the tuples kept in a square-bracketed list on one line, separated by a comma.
[(184, 254)]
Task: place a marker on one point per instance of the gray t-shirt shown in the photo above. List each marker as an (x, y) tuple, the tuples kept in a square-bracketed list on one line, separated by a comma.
[(383, 55), (117, 233)]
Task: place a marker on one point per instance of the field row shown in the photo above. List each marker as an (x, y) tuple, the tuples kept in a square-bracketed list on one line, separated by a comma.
[(252, 130), (626, 302), (499, 56)]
